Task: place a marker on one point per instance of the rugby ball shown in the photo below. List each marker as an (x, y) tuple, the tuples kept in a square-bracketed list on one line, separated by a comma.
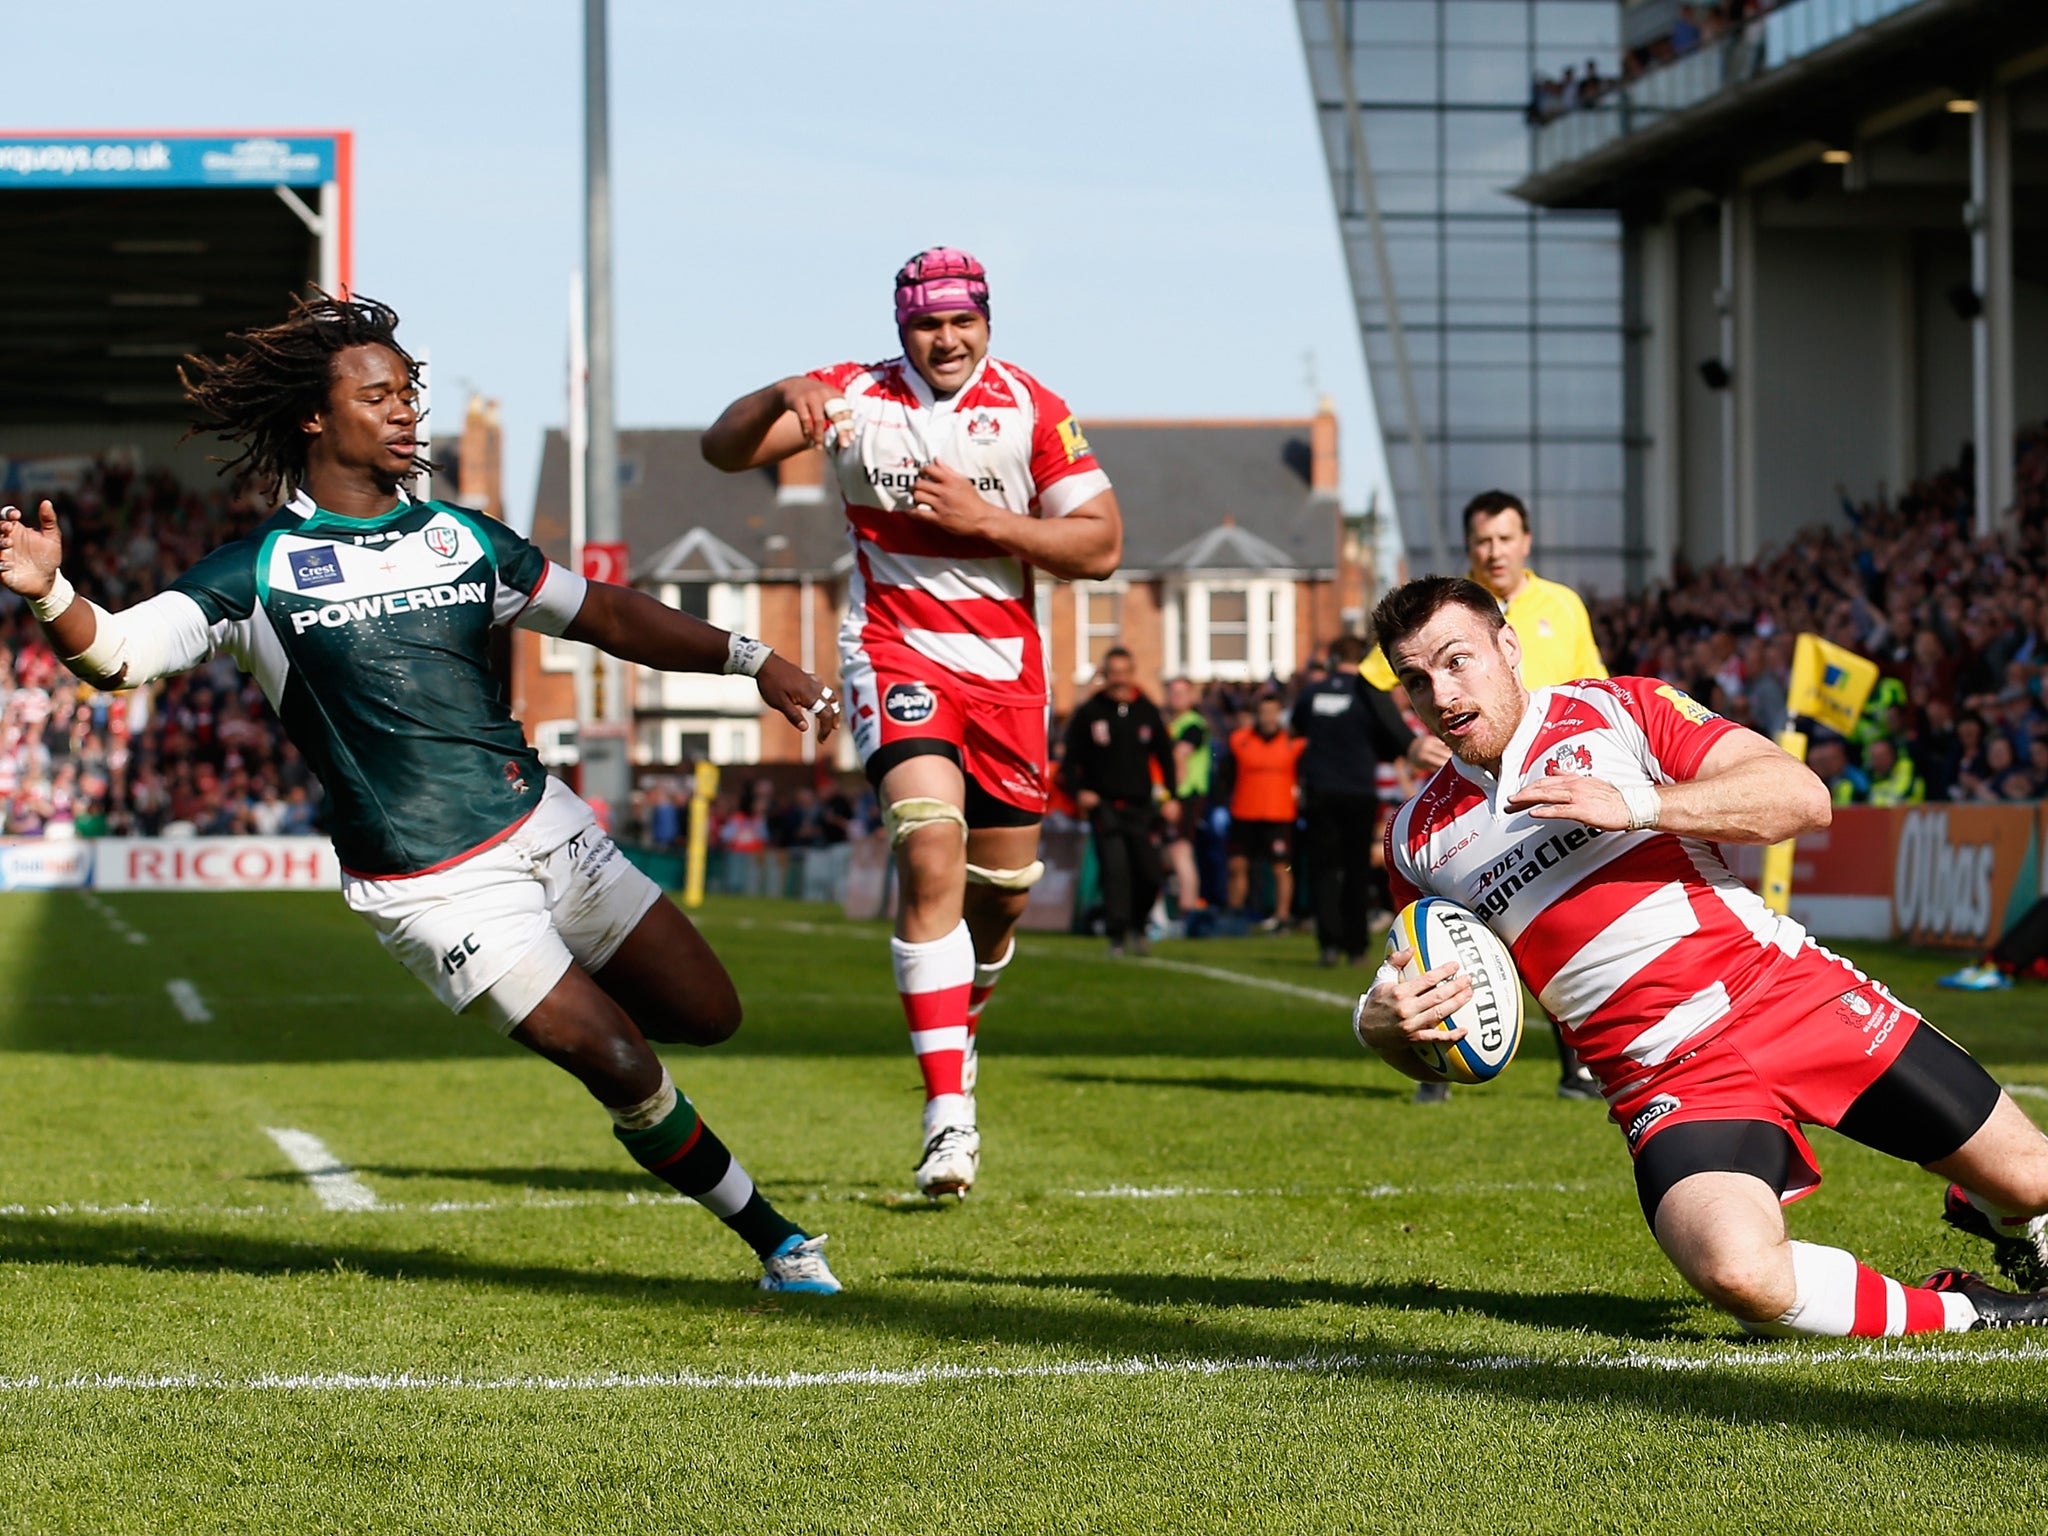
[(1438, 930)]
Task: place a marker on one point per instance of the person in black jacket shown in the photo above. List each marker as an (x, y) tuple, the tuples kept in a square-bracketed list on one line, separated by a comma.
[(1351, 728), (1112, 742)]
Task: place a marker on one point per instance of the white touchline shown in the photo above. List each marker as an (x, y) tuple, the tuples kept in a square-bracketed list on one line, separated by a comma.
[(188, 1001), (1735, 1359), (2027, 1090), (335, 1184)]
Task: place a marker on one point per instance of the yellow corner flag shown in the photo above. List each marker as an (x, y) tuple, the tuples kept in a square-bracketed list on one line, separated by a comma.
[(1829, 684), (706, 791)]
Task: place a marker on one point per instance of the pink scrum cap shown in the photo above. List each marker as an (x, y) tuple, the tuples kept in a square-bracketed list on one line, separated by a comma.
[(940, 279)]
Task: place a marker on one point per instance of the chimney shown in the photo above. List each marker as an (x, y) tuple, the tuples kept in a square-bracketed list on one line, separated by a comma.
[(480, 470), (800, 479), (1322, 448)]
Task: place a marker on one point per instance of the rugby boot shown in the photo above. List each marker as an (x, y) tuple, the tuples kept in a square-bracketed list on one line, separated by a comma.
[(1995, 1308), (952, 1158), (2020, 1250), (1431, 1093), (799, 1265)]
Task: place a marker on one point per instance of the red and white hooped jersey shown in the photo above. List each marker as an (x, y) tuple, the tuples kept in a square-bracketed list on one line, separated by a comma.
[(1641, 945), (959, 603)]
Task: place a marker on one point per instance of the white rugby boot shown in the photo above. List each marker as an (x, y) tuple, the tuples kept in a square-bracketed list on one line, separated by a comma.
[(952, 1157)]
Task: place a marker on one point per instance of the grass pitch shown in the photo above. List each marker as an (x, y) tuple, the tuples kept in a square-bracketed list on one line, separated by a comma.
[(1220, 1274)]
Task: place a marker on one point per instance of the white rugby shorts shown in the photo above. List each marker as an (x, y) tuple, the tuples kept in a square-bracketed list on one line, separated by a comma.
[(491, 936)]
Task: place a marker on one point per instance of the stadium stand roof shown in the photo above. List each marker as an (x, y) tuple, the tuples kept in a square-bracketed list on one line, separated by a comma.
[(124, 252)]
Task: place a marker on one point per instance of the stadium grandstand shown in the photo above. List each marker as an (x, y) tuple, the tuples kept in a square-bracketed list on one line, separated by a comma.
[(126, 252)]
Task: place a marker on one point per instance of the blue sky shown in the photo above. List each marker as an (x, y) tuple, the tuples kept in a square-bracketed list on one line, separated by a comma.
[(1142, 179)]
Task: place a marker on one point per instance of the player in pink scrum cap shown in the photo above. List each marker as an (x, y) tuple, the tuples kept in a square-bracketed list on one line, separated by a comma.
[(961, 475)]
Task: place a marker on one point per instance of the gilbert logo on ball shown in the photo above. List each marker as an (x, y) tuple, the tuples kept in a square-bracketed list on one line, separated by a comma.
[(1438, 930)]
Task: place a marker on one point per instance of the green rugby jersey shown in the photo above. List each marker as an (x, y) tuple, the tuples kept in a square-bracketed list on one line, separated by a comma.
[(371, 639)]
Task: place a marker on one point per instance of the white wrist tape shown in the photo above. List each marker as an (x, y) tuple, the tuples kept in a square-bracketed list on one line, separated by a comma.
[(745, 655), (60, 597), (1645, 805)]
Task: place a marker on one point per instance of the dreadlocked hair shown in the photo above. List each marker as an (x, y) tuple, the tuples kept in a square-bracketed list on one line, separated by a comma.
[(259, 396)]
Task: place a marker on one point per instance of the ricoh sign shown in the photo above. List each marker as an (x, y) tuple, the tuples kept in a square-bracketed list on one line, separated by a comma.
[(216, 864)]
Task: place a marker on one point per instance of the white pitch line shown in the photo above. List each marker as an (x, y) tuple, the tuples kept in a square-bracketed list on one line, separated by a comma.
[(188, 1001), (335, 1184), (2027, 1090), (1736, 1358)]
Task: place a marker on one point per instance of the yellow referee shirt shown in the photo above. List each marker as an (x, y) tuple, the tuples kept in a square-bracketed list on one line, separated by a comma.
[(1557, 638)]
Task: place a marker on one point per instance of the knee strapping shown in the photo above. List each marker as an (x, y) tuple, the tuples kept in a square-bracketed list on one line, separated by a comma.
[(1007, 879), (906, 816)]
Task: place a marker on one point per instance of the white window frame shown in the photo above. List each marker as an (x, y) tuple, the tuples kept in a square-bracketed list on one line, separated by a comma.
[(558, 655), (1085, 630), (733, 740), (732, 605), (1269, 621)]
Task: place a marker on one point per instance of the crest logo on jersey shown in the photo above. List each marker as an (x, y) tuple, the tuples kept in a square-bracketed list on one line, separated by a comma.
[(909, 703), (318, 567), (983, 428), (1689, 708), (1572, 758), (1070, 435), (443, 541)]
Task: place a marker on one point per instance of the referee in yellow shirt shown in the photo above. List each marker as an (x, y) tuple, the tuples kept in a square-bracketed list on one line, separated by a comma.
[(1557, 647)]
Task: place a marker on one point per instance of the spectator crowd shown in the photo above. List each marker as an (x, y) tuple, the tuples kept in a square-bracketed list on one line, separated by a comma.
[(1695, 26), (200, 753)]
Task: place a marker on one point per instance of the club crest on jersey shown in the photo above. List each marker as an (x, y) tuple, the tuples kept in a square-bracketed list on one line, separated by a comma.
[(443, 541), (909, 703), (1571, 758), (318, 567), (983, 428)]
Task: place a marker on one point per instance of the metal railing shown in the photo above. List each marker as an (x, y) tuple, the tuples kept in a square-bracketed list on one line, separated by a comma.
[(1790, 32)]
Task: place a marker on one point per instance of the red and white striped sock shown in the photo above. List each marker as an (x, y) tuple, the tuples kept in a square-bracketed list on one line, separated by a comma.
[(2001, 1218), (986, 975), (934, 979), (1840, 1298)]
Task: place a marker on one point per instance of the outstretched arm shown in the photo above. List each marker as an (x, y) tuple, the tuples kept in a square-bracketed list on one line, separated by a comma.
[(165, 634), (1747, 790), (634, 627), (771, 424)]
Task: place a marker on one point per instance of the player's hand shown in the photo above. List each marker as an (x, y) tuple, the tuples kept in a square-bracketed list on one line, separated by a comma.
[(1086, 801), (798, 697), (30, 552), (1428, 752), (818, 407), (1395, 1014), (1169, 812), (1572, 797), (947, 499)]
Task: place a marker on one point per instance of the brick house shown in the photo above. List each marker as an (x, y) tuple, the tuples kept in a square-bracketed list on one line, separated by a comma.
[(1237, 564)]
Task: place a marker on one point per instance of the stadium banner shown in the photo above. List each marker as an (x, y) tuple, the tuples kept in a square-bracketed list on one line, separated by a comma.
[(216, 864), (44, 863), (1963, 874), (167, 160), (1952, 876)]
